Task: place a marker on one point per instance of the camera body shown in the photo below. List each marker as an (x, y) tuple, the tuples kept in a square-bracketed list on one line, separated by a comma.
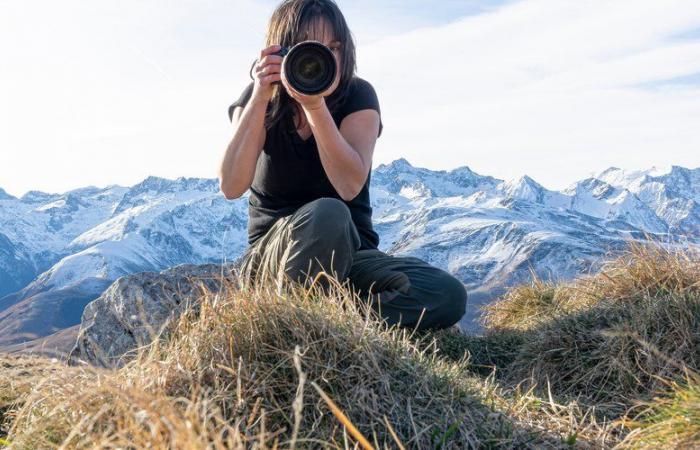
[(310, 67)]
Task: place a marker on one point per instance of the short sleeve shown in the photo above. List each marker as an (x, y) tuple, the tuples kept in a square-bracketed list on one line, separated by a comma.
[(362, 96), (242, 100)]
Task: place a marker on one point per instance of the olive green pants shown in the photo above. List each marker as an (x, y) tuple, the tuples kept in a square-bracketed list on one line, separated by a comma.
[(320, 236)]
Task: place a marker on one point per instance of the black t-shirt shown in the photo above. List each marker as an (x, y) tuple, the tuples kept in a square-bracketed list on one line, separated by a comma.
[(289, 172)]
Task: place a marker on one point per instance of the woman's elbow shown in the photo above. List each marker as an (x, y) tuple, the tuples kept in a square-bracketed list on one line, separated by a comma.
[(228, 191), (349, 195)]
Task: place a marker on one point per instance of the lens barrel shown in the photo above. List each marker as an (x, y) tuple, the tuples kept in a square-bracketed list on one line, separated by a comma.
[(309, 66)]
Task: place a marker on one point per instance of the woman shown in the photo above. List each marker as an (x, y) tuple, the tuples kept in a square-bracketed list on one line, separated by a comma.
[(307, 160)]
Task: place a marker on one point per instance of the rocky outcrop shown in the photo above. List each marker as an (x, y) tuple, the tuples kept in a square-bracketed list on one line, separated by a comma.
[(137, 308)]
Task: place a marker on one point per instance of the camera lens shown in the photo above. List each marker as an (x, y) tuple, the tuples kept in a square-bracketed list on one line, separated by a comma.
[(310, 67)]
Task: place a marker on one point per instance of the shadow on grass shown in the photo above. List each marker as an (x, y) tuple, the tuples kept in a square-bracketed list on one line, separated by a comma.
[(610, 356)]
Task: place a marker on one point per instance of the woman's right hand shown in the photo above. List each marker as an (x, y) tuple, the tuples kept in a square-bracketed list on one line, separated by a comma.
[(266, 71)]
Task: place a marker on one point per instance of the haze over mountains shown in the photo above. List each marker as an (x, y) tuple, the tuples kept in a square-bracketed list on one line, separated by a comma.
[(60, 251)]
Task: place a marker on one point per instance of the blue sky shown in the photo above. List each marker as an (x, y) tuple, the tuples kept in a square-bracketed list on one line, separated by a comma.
[(96, 93)]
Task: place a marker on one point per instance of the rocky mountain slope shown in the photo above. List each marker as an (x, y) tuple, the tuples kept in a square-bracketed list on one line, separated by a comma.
[(60, 251)]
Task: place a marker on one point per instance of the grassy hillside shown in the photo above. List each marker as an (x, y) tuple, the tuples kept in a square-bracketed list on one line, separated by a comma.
[(605, 361)]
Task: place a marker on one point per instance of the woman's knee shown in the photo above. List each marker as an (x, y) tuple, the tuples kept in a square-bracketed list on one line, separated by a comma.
[(327, 213), (326, 219), (452, 304)]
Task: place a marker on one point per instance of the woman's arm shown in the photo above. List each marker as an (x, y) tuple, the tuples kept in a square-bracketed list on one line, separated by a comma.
[(346, 153), (238, 164)]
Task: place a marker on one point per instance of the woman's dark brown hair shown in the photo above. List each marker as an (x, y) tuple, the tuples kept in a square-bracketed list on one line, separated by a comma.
[(289, 25)]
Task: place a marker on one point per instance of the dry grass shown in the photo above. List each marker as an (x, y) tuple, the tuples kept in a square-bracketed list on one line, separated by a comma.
[(645, 270), (607, 338), (671, 420), (295, 369), (305, 368), (18, 375), (526, 306)]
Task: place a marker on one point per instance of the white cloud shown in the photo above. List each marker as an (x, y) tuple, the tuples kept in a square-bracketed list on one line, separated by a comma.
[(104, 92), (548, 88)]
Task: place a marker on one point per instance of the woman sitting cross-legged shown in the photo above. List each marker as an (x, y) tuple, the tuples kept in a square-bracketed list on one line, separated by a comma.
[(306, 160)]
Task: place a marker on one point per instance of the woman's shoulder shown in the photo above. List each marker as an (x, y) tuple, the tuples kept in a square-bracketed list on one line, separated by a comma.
[(361, 95), (361, 85)]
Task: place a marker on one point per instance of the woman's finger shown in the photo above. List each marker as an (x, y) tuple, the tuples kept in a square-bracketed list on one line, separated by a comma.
[(271, 49), (272, 68), (270, 59), (272, 78)]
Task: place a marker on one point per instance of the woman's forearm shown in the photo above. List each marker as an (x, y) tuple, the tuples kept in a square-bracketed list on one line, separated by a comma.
[(238, 164), (342, 164)]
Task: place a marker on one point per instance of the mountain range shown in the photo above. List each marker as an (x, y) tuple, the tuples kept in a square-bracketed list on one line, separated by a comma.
[(60, 251)]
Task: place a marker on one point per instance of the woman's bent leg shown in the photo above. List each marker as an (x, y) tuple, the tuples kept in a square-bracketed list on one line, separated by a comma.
[(319, 236), (407, 290)]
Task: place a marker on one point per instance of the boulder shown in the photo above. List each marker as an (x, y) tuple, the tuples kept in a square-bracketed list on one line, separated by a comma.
[(137, 308)]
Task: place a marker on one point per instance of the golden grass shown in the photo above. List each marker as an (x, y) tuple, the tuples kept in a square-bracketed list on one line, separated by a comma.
[(294, 369), (525, 306), (607, 338), (644, 270), (670, 421)]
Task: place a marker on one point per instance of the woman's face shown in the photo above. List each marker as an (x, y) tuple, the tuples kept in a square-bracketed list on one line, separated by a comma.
[(322, 31)]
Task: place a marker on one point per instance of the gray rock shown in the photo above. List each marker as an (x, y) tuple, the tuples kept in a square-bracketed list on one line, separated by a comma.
[(137, 308)]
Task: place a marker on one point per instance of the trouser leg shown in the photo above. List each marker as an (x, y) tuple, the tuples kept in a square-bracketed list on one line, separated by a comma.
[(407, 290), (319, 236)]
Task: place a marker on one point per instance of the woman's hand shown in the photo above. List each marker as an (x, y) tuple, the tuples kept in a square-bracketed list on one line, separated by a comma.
[(266, 72), (310, 102)]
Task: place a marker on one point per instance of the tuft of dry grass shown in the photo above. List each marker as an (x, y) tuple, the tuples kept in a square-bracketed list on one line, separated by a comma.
[(18, 374), (607, 338), (644, 270), (525, 306), (671, 420)]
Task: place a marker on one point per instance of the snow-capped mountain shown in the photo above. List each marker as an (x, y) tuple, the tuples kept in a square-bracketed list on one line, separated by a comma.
[(60, 251)]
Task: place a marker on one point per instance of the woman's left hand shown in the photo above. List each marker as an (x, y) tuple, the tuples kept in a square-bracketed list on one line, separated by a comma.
[(309, 102)]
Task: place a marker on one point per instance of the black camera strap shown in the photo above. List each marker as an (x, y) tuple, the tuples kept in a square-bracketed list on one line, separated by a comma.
[(250, 72)]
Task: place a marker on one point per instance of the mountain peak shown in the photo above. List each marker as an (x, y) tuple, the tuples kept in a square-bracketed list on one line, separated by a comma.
[(464, 171), (5, 196), (524, 188), (465, 177), (525, 181), (396, 165), (162, 185), (679, 170), (401, 162), (38, 197), (152, 182), (610, 169)]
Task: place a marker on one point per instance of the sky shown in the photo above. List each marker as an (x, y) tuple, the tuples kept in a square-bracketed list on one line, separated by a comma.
[(102, 92)]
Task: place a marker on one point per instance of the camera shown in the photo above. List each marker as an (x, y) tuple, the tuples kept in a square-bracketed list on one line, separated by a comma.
[(309, 66)]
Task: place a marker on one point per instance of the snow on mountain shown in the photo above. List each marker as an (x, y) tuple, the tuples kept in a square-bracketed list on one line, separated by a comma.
[(58, 251), (599, 199), (81, 241), (415, 182), (673, 194), (16, 267), (525, 188), (5, 196)]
